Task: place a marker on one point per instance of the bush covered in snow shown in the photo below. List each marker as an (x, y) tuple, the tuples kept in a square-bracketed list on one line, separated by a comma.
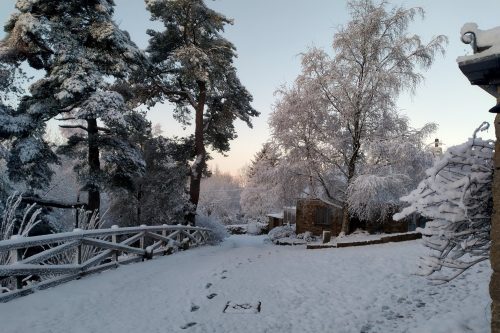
[(285, 231), (256, 228), (219, 232), (456, 197), (307, 236)]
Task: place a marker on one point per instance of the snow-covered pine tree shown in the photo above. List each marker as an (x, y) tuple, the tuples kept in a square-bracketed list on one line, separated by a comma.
[(81, 52), (160, 195), (374, 59), (193, 68), (456, 197)]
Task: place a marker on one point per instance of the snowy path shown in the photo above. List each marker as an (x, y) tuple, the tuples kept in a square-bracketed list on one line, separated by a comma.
[(363, 289)]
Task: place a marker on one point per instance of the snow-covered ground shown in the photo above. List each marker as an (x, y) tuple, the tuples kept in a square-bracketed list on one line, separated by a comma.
[(361, 289)]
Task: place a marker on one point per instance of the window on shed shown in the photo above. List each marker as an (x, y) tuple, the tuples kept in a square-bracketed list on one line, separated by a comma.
[(322, 216)]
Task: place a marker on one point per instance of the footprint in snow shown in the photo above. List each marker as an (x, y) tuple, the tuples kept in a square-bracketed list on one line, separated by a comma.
[(212, 295), (194, 307), (188, 325), (208, 285)]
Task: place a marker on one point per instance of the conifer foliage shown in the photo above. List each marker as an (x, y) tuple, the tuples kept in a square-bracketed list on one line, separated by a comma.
[(80, 52), (193, 68)]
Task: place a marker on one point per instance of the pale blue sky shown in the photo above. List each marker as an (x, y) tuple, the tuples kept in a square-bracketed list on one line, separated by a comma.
[(270, 34)]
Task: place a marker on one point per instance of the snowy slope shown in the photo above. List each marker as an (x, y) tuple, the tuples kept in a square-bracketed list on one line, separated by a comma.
[(362, 289)]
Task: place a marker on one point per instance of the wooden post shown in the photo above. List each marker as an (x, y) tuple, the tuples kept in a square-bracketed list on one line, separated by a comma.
[(18, 255), (495, 233), (143, 238), (327, 236), (113, 239), (164, 234), (78, 258)]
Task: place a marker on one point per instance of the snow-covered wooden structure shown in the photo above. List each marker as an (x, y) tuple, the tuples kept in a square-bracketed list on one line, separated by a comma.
[(41, 262), (275, 220), (316, 215)]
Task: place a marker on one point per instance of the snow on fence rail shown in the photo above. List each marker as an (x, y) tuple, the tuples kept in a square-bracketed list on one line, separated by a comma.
[(39, 262)]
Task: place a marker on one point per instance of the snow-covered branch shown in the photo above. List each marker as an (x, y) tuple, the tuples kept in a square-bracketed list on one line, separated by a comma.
[(456, 197)]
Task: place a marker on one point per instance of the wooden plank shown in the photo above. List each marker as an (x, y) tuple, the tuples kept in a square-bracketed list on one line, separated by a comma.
[(186, 233), (25, 242), (42, 256), (102, 256), (30, 269), (166, 239), (113, 246), (320, 246)]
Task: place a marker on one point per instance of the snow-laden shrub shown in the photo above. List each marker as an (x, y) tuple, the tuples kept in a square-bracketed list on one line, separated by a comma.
[(256, 228), (12, 225), (285, 231), (307, 236), (237, 229), (218, 231), (456, 197)]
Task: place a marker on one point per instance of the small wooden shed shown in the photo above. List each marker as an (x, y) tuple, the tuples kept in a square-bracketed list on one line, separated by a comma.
[(316, 216), (275, 220)]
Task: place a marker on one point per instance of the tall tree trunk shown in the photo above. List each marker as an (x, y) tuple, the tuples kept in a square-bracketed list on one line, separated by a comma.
[(351, 171), (139, 204), (346, 218), (200, 152), (94, 199)]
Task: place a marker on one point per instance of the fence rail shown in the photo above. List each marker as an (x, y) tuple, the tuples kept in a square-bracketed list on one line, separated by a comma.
[(32, 263)]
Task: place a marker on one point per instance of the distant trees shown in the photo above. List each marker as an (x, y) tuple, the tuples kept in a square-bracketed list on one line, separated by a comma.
[(343, 107), (220, 197), (271, 183), (193, 68), (456, 196), (81, 53)]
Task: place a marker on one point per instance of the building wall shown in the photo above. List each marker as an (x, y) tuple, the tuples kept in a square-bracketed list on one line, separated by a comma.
[(274, 222), (308, 211)]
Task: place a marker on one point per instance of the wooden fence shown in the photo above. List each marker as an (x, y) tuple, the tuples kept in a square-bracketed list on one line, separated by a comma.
[(39, 262)]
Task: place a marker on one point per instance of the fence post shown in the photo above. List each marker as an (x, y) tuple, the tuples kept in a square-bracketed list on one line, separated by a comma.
[(113, 239), (17, 255), (142, 241), (78, 258)]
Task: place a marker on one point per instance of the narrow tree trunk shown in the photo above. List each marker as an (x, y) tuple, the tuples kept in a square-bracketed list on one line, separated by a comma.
[(495, 235), (94, 199), (346, 219), (351, 171), (139, 205), (199, 163)]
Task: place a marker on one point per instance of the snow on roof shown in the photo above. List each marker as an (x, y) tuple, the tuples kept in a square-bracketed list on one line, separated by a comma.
[(484, 43), (276, 215)]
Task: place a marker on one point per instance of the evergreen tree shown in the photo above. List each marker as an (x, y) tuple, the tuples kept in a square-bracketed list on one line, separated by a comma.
[(81, 52), (160, 195), (193, 68)]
